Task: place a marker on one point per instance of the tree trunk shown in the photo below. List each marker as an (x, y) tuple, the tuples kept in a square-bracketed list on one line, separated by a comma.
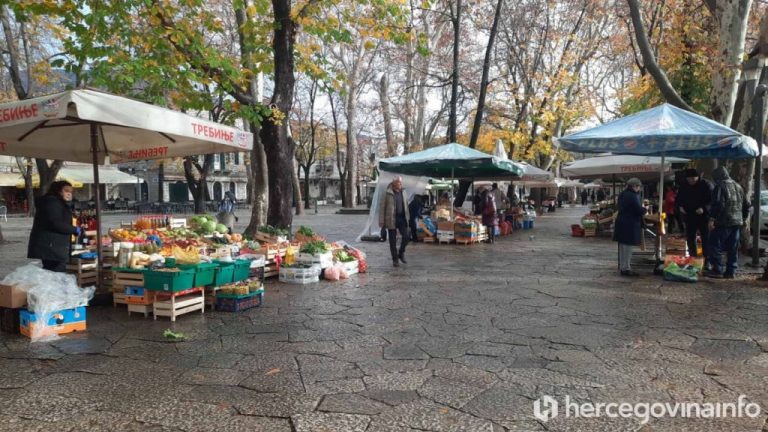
[(452, 117), (160, 181), (384, 97), (47, 173), (297, 189), (339, 165), (662, 81), (25, 166), (280, 149), (350, 190), (198, 185), (732, 17), (307, 204), (259, 184), (464, 185)]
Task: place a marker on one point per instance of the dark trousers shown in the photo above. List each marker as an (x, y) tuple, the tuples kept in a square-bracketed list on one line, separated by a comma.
[(414, 229), (402, 226), (725, 239), (693, 224), (55, 266)]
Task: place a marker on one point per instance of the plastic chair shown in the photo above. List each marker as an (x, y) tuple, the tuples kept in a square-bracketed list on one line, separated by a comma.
[(4, 213)]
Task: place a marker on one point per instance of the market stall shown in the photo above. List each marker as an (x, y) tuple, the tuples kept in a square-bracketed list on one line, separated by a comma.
[(452, 161), (664, 131)]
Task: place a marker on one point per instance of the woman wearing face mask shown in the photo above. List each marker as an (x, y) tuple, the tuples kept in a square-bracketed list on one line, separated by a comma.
[(52, 227)]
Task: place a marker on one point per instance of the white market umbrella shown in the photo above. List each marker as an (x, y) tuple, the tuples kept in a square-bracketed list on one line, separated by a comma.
[(619, 165), (88, 125)]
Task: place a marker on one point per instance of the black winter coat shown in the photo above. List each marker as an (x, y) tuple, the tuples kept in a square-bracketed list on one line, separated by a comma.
[(51, 230), (629, 222), (693, 197)]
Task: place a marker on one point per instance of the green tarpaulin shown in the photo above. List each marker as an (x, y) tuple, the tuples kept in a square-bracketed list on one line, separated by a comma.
[(452, 161)]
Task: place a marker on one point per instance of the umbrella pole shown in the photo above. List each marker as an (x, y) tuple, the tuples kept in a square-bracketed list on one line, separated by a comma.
[(613, 185), (661, 200), (97, 199), (453, 191)]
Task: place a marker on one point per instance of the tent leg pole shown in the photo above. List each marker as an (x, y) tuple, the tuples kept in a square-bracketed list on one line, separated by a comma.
[(97, 199), (661, 200)]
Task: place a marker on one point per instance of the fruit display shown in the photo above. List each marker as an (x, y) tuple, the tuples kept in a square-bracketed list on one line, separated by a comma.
[(314, 247), (270, 230)]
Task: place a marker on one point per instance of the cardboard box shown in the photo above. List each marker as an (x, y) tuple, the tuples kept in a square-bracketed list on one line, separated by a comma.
[(12, 297), (61, 322)]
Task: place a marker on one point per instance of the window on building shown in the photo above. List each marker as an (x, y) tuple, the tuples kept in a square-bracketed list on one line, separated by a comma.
[(237, 158)]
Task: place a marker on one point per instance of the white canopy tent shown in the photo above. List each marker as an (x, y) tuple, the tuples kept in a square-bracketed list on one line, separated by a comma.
[(91, 126), (619, 165)]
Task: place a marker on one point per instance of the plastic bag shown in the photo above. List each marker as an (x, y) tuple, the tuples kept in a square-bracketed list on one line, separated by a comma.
[(290, 255), (47, 293), (343, 272), (675, 273), (332, 273)]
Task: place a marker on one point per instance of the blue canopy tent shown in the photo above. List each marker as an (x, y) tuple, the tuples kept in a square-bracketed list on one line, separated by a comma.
[(663, 131)]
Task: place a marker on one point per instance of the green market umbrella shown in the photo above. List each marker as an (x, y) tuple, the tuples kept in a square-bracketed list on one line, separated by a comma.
[(452, 161)]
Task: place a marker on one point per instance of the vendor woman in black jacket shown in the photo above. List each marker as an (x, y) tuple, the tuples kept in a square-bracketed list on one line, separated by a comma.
[(52, 227)]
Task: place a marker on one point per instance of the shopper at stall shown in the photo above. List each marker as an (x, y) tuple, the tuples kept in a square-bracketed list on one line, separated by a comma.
[(628, 228), (693, 200), (52, 228), (670, 204), (728, 211), (584, 195), (600, 195), (488, 209), (393, 216), (226, 211), (415, 207), (499, 198)]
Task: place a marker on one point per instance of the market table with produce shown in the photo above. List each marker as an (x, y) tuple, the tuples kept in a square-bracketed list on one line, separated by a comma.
[(167, 267)]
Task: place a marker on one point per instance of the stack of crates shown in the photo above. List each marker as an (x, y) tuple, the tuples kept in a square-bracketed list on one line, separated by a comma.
[(466, 232)]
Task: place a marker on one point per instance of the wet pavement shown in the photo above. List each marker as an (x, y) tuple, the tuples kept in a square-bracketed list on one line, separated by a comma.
[(462, 338)]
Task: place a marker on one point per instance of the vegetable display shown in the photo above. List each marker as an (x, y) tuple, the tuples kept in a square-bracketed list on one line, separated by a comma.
[(314, 247), (270, 230), (306, 231)]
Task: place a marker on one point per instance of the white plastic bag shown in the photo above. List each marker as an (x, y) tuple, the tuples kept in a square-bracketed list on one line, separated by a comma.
[(48, 292)]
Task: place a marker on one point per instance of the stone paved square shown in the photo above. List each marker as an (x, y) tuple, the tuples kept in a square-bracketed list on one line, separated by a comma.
[(462, 338)]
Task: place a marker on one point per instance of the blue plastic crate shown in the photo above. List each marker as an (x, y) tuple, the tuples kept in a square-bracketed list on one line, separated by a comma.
[(134, 290)]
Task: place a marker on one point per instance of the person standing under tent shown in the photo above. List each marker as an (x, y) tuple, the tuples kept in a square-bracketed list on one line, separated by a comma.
[(592, 196), (52, 228), (728, 212), (694, 200), (584, 195), (226, 210), (499, 198), (600, 195), (488, 210), (415, 207), (670, 205), (628, 227), (393, 215)]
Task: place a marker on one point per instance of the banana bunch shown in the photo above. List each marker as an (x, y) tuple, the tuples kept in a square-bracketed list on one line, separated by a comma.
[(189, 255)]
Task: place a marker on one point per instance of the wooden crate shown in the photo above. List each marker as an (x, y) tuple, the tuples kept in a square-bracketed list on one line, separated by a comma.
[(178, 305), (123, 279), (145, 309), (119, 298), (590, 232)]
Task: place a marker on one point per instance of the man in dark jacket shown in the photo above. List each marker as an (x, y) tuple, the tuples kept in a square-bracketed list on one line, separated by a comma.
[(693, 201), (415, 207), (584, 195), (52, 227), (628, 227), (728, 211)]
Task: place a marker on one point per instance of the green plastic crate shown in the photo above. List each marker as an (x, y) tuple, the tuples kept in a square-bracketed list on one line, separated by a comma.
[(242, 270), (169, 281), (204, 272), (224, 274)]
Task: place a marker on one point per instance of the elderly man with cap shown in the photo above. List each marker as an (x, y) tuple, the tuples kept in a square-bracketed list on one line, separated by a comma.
[(393, 215), (628, 228), (693, 201)]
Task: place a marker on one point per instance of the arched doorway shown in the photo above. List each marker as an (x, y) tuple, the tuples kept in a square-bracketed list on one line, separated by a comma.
[(178, 192), (218, 194)]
